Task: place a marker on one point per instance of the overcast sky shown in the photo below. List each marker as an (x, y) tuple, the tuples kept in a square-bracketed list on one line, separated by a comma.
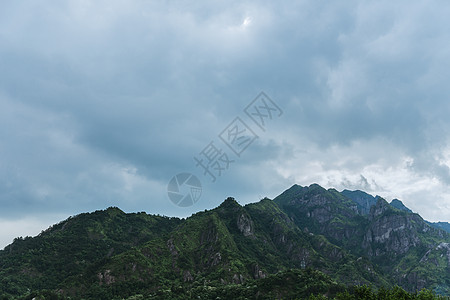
[(103, 102)]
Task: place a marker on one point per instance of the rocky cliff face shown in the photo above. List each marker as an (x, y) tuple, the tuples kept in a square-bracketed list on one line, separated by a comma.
[(325, 212), (363, 200), (245, 224), (304, 227), (397, 240), (390, 233)]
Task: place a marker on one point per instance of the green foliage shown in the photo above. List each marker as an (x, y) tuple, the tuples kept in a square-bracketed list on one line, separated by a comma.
[(74, 248), (265, 250), (368, 293)]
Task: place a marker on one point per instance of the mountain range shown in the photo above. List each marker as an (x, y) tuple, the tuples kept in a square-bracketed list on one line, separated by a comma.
[(307, 240)]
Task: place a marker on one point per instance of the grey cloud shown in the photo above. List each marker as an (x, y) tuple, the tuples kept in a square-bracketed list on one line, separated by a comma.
[(102, 102), (362, 184)]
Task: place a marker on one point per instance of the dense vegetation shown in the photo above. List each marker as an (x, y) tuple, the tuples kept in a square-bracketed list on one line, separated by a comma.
[(308, 242), (290, 284), (75, 247)]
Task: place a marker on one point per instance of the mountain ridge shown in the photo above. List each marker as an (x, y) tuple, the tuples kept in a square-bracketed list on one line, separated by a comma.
[(109, 253)]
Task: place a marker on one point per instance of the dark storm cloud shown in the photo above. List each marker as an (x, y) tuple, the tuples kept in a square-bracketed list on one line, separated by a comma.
[(102, 102)]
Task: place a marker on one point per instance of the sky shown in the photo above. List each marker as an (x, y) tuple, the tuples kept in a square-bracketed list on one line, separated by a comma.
[(102, 103)]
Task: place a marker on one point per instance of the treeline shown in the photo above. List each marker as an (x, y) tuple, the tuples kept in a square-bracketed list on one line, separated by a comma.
[(290, 284), (368, 293), (355, 293)]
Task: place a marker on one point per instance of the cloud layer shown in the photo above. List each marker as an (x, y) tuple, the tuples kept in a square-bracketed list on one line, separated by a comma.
[(102, 102)]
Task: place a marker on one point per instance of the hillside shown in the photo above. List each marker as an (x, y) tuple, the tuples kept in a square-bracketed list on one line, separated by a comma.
[(306, 232), (404, 247)]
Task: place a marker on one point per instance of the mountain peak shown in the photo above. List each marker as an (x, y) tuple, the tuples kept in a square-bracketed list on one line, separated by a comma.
[(379, 208), (114, 211), (399, 205), (230, 244), (363, 200), (230, 202), (316, 187)]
